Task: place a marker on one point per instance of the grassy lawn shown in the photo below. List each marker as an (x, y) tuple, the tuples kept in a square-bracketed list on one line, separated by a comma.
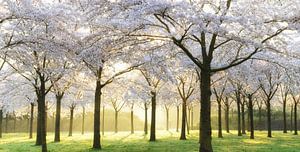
[(167, 142)]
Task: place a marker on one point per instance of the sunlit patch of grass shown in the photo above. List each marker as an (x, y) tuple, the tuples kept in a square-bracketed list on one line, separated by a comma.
[(168, 141)]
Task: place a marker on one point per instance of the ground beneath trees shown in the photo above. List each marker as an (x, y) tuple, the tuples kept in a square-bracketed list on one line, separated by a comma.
[(168, 142)]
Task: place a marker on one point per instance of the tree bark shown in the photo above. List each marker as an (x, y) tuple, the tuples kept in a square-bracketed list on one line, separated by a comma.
[(6, 123), (31, 120), (183, 120), (116, 121), (269, 119), (1, 118), (153, 115), (41, 93), (251, 116), (238, 100), (71, 121), (96, 140), (220, 120), (15, 122), (177, 119), (243, 118), (295, 119), (131, 121), (205, 111), (146, 120), (82, 124), (167, 119), (192, 118), (292, 107), (38, 128), (284, 117), (57, 118), (227, 118)]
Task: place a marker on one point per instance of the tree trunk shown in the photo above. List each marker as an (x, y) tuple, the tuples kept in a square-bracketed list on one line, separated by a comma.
[(295, 119), (269, 119), (31, 120), (82, 124), (146, 120), (131, 121), (96, 140), (284, 117), (38, 128), (251, 117), (192, 118), (238, 100), (42, 114), (183, 120), (227, 118), (6, 123), (71, 121), (167, 119), (292, 107), (1, 118), (220, 120), (153, 115), (205, 111), (243, 118), (177, 118), (46, 118), (57, 118), (15, 122), (116, 121), (188, 122), (103, 112)]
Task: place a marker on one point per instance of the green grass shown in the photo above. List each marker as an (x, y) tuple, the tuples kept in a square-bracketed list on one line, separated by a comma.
[(167, 142)]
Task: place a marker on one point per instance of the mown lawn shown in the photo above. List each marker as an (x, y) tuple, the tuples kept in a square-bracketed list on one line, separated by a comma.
[(167, 142)]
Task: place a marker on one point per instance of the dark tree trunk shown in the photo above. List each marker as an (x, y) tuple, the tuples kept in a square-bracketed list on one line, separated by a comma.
[(153, 115), (46, 119), (131, 121), (292, 107), (146, 120), (205, 111), (41, 93), (220, 120), (177, 119), (284, 117), (38, 128), (31, 120), (243, 118), (6, 123), (96, 140), (1, 118), (248, 120), (269, 119), (227, 118), (57, 118), (116, 121), (82, 124), (295, 119), (251, 117), (103, 112), (183, 120), (238, 101), (71, 121)]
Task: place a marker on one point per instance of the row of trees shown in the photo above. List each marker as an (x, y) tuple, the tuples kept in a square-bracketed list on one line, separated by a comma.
[(65, 47)]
